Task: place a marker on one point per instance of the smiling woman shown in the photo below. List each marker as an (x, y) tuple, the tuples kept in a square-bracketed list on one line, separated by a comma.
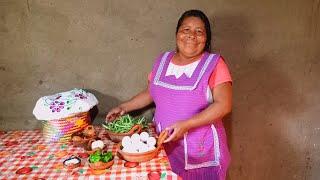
[(191, 39), (191, 88)]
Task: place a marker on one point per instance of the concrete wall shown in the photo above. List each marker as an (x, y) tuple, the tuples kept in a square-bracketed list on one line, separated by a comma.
[(108, 47)]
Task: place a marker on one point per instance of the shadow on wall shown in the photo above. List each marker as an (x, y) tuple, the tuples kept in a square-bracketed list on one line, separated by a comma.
[(263, 100), (107, 102), (228, 41)]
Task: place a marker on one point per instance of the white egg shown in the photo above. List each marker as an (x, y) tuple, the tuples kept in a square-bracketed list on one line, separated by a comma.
[(129, 150), (143, 148), (135, 138), (150, 148), (126, 141), (128, 146), (144, 136), (142, 144), (125, 149), (97, 144), (136, 145), (151, 141)]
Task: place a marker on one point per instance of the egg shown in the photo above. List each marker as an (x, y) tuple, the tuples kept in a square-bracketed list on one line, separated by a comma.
[(150, 148), (135, 138), (143, 148), (144, 136), (126, 141), (151, 141), (129, 150), (136, 146), (142, 144), (97, 144), (138, 143), (125, 149)]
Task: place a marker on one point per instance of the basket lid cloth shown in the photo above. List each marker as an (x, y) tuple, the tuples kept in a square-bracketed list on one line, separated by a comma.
[(64, 104)]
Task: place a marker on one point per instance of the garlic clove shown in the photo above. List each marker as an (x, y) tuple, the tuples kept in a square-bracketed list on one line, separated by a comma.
[(97, 144)]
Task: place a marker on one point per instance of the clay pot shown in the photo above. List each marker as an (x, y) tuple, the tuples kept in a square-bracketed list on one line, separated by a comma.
[(78, 140), (145, 156), (117, 137), (81, 139), (101, 165), (89, 131)]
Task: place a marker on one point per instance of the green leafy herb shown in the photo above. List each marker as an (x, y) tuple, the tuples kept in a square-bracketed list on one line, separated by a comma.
[(94, 158), (106, 157), (98, 156)]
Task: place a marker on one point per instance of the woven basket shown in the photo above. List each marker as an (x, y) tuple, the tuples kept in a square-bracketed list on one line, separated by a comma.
[(60, 130)]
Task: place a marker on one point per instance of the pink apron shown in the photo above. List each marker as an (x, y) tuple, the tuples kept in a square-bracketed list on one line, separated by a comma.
[(203, 151)]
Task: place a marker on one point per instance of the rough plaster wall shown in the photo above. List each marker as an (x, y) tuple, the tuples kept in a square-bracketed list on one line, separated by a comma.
[(108, 47)]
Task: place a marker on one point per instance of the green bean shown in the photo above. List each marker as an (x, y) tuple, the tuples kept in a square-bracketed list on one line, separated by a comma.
[(124, 124)]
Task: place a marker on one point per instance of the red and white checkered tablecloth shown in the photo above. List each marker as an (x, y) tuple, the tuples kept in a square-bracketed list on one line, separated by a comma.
[(28, 149)]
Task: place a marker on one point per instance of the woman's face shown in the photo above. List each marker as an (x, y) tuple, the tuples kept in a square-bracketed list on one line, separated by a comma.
[(191, 37)]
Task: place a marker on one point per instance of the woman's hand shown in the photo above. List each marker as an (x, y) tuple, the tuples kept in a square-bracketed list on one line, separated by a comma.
[(115, 113), (178, 130)]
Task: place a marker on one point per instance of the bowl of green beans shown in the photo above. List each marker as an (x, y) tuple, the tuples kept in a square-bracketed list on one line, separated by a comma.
[(124, 126)]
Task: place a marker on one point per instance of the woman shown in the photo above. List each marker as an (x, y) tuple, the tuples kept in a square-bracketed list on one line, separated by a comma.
[(192, 92)]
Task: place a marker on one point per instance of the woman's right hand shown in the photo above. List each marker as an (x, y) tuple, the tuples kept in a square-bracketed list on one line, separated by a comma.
[(115, 113)]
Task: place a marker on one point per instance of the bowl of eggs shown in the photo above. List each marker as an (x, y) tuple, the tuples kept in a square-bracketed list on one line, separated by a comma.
[(140, 147)]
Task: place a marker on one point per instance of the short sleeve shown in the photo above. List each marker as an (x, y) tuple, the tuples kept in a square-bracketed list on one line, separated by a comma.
[(220, 74), (149, 76)]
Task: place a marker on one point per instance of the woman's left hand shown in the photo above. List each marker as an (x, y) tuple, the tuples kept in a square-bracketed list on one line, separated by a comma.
[(178, 129)]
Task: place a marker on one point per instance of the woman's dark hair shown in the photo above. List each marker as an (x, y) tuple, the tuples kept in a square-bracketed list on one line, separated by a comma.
[(205, 20)]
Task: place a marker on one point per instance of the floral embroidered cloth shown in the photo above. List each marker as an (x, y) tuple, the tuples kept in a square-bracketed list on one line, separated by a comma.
[(64, 104)]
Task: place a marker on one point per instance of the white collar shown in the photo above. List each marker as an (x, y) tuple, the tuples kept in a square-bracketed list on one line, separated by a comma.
[(177, 70)]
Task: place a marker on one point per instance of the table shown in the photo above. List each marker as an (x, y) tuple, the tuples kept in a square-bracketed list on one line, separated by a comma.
[(28, 149)]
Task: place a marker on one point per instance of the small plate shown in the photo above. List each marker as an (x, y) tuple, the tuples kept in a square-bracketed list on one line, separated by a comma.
[(72, 162)]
